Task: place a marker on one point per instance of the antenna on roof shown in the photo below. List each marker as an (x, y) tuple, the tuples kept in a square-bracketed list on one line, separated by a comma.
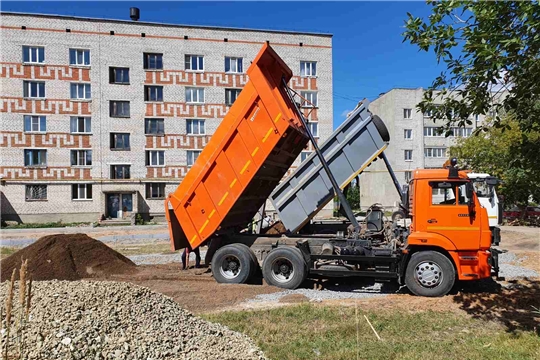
[(134, 13)]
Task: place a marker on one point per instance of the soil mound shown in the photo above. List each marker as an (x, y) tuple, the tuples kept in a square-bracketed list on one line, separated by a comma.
[(67, 257)]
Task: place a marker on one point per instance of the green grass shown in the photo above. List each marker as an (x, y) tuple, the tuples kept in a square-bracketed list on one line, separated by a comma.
[(5, 251), (44, 225), (330, 332)]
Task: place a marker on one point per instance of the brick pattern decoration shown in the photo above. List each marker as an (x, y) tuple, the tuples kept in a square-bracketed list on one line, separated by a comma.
[(181, 109), (43, 72), (169, 171), (181, 77), (176, 141), (46, 173), (45, 106), (14, 139)]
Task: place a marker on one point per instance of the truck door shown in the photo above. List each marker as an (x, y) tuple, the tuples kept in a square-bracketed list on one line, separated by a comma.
[(452, 216)]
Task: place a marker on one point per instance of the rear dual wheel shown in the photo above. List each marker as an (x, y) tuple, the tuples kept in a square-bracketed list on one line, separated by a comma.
[(234, 264), (285, 267)]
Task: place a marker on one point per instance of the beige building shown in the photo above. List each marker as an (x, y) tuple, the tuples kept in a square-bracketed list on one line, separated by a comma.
[(105, 117), (415, 143)]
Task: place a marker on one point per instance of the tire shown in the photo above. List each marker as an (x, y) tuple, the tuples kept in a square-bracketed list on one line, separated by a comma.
[(430, 273), (396, 215), (285, 267), (232, 264), (254, 262)]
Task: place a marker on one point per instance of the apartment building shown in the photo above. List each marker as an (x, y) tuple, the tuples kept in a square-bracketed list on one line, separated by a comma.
[(416, 142), (103, 118)]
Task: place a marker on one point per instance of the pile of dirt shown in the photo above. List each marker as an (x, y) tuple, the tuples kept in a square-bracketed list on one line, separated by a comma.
[(67, 257)]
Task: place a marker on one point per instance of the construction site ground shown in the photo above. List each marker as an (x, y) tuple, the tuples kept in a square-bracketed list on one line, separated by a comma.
[(160, 270)]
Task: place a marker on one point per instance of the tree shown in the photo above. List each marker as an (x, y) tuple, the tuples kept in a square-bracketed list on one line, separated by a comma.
[(492, 54), (498, 153)]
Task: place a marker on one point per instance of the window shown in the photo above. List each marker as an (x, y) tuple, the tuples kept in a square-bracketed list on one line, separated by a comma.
[(118, 75), (194, 95), (407, 134), (34, 123), (433, 132), (119, 108), (81, 91), (428, 113), (155, 158), (80, 124), (304, 155), (81, 192), (408, 155), (153, 93), (33, 54), (435, 152), (313, 128), (33, 89), (308, 68), (120, 141), (79, 57), (233, 65), (155, 191), (311, 98), (407, 113), (194, 62), (444, 193), (120, 171), (192, 156), (34, 157), (195, 127), (36, 192), (231, 95), (461, 132), (81, 157), (154, 126), (153, 61), (408, 176)]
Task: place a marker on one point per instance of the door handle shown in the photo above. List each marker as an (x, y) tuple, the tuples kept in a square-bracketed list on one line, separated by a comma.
[(431, 221)]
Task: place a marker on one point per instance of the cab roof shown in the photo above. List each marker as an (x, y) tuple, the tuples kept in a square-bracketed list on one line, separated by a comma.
[(436, 174)]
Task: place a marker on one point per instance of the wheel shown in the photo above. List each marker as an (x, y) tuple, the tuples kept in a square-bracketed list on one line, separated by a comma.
[(398, 215), (232, 264), (284, 267), (254, 262), (430, 273)]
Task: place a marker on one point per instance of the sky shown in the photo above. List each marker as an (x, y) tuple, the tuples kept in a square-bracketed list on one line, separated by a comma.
[(369, 56)]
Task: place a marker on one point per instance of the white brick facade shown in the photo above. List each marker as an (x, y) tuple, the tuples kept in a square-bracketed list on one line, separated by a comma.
[(125, 49)]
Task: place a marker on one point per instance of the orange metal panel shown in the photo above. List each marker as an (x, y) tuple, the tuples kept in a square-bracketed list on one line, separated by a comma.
[(244, 160)]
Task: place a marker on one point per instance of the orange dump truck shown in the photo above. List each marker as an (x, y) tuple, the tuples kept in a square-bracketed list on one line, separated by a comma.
[(445, 237)]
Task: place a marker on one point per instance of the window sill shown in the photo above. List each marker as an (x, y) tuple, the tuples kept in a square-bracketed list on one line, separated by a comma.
[(155, 166), (81, 100), (33, 64), (126, 149), (154, 70), (407, 160), (34, 98), (35, 166), (160, 135), (35, 132), (35, 200), (81, 166), (154, 102), (234, 73), (119, 83), (194, 71), (195, 103), (309, 76), (120, 117), (82, 200), (75, 66), (80, 133), (195, 135), (156, 198)]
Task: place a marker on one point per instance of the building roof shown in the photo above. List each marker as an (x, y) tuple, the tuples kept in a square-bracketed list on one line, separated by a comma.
[(147, 23)]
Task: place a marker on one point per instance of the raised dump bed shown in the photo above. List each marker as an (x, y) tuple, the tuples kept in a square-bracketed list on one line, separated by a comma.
[(244, 160), (348, 151)]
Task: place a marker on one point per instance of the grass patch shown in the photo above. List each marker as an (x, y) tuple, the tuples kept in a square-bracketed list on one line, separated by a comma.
[(53, 224), (136, 249), (6, 251), (330, 332)]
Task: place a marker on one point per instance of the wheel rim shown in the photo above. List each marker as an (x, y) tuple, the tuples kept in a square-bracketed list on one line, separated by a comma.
[(428, 274), (230, 267), (282, 270)]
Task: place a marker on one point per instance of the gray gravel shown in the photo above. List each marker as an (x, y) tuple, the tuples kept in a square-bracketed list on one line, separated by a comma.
[(110, 320), (156, 259), (513, 271)]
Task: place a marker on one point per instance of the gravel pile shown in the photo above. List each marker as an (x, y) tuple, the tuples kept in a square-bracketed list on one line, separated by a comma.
[(508, 270), (112, 320)]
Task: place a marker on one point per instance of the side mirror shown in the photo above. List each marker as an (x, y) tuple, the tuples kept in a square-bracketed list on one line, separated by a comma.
[(492, 181), (469, 191)]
